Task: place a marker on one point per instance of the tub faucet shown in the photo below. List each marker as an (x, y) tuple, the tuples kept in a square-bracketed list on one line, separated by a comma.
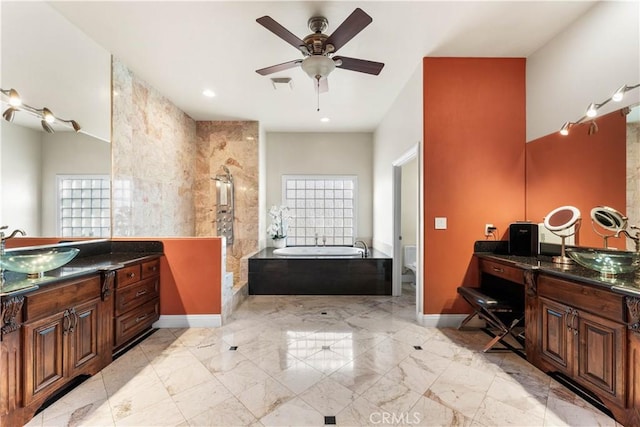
[(364, 245), (635, 237)]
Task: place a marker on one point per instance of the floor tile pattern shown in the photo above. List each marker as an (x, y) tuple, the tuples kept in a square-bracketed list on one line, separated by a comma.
[(318, 360)]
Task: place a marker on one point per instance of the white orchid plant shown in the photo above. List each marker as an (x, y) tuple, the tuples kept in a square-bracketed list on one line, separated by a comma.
[(280, 217)]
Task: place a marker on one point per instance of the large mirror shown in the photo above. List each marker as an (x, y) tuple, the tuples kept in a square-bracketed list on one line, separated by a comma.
[(53, 64), (588, 169)]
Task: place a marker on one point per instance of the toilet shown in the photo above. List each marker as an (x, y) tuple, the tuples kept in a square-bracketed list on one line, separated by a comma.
[(409, 260)]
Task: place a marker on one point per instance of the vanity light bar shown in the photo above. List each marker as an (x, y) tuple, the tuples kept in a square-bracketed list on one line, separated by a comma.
[(44, 114), (592, 110)]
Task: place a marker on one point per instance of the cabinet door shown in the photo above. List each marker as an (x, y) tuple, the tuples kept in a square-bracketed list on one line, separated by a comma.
[(601, 348), (556, 347), (43, 355), (83, 337)]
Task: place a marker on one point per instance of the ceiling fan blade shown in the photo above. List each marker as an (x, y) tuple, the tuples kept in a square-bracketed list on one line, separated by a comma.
[(322, 86), (349, 28), (280, 67), (360, 65), (270, 24)]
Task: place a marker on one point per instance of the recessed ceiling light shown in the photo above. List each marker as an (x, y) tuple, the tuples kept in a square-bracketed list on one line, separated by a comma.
[(208, 93), (325, 120)]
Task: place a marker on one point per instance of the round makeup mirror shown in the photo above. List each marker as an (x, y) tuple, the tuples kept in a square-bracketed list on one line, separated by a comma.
[(561, 222), (607, 219)]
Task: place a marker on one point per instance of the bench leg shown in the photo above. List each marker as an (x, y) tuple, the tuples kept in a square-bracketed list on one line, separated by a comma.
[(467, 319)]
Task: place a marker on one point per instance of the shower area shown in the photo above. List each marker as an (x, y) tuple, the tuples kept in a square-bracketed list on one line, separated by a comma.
[(226, 197)]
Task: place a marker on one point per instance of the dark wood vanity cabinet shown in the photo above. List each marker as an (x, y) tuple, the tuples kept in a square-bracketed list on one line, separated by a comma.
[(137, 301), (583, 334), (62, 336), (585, 347)]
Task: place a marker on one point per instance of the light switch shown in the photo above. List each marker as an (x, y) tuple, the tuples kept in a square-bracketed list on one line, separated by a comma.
[(441, 223)]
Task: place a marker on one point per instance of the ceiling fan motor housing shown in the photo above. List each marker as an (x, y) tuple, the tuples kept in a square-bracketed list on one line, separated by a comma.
[(318, 24)]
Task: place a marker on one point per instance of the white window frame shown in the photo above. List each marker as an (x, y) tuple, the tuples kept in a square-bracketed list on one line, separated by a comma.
[(59, 205), (332, 239)]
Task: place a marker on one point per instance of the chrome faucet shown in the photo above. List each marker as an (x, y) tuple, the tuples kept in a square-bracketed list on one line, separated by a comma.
[(635, 237), (4, 238), (364, 245)]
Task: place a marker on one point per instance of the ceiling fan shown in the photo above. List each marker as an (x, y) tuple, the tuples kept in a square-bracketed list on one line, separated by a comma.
[(318, 48)]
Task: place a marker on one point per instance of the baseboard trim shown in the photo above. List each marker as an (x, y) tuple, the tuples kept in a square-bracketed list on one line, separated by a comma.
[(189, 321), (447, 320)]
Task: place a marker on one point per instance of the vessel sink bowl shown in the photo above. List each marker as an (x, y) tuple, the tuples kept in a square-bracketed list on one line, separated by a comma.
[(607, 262), (35, 262)]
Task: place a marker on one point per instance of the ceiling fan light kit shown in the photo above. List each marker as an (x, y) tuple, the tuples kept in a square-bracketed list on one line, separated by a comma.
[(318, 48)]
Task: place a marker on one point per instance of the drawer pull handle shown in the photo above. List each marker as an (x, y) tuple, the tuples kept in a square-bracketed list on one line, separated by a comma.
[(141, 318), (154, 268), (140, 293), (131, 275), (498, 270)]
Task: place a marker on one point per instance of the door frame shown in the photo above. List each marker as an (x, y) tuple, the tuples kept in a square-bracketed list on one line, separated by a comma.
[(415, 152)]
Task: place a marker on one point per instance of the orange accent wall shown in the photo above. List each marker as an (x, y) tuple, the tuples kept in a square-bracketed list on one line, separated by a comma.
[(190, 276), (190, 272), (581, 170), (474, 150)]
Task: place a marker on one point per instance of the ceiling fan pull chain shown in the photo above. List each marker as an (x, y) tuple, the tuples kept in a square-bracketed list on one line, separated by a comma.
[(318, 92)]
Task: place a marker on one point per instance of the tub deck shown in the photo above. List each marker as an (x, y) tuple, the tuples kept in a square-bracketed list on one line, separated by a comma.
[(275, 275)]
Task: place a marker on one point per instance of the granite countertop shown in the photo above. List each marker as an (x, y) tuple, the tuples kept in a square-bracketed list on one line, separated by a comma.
[(627, 284), (94, 256)]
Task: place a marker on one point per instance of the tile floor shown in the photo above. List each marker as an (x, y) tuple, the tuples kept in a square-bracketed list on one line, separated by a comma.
[(301, 359)]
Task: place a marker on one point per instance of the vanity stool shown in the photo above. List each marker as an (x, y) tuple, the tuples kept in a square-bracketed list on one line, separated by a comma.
[(499, 313)]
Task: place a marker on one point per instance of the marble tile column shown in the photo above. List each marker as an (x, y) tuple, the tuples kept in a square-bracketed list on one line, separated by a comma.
[(235, 145)]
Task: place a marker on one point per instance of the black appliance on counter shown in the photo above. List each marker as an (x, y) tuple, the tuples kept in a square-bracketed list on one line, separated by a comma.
[(523, 239)]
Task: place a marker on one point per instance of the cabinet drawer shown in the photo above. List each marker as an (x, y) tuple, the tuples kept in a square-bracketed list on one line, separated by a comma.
[(507, 272), (137, 294), (151, 268), (128, 275), (136, 321), (583, 297), (56, 299)]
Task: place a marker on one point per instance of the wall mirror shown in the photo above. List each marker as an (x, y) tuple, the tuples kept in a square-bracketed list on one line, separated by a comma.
[(583, 170), (71, 75)]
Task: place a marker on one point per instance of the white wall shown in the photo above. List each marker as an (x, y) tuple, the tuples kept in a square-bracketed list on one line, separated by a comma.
[(68, 153), (409, 198), (400, 129), (21, 157), (586, 63), (52, 63), (323, 154)]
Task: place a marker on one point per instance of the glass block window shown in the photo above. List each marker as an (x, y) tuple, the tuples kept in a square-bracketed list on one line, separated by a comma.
[(322, 206), (84, 205)]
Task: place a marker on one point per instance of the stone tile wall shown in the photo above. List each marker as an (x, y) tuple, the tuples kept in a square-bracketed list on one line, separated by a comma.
[(154, 158), (235, 145)]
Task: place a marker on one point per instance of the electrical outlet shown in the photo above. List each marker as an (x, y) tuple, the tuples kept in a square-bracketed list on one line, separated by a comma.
[(487, 232)]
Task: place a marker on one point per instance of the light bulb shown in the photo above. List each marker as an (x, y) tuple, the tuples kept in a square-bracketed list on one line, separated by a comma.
[(619, 94), (564, 130), (592, 111), (14, 98), (47, 115)]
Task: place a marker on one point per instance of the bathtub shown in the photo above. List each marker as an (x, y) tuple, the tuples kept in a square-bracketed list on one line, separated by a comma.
[(320, 251), (322, 270)]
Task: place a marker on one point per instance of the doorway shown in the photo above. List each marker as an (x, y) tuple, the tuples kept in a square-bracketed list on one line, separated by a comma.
[(408, 221)]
